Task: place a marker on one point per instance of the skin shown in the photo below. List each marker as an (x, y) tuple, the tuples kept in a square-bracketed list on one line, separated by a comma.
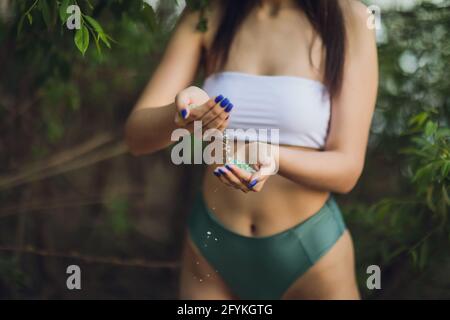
[(306, 176)]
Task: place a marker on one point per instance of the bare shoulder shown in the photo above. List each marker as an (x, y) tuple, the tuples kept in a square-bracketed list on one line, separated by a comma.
[(186, 33), (355, 10), (357, 15), (191, 18), (188, 20)]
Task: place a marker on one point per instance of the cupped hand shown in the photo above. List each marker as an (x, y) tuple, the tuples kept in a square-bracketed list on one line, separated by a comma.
[(194, 104), (266, 165)]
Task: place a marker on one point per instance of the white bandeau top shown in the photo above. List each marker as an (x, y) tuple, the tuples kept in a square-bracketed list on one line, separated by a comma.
[(298, 107)]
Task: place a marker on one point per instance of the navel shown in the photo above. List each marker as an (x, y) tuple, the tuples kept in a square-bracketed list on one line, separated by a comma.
[(253, 229)]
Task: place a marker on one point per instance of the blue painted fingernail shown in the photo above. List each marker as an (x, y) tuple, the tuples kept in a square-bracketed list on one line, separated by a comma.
[(217, 174), (183, 113), (224, 103), (253, 183), (221, 171), (219, 98), (228, 167), (229, 108)]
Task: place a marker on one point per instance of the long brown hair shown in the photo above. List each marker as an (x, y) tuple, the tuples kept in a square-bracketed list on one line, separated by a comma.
[(325, 16)]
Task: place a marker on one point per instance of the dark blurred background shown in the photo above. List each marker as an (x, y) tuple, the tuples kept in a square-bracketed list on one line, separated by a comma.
[(71, 194)]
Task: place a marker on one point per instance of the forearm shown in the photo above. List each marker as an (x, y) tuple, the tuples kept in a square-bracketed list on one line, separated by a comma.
[(326, 170), (149, 129)]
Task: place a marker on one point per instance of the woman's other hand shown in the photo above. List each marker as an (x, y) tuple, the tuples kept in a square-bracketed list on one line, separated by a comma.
[(264, 159)]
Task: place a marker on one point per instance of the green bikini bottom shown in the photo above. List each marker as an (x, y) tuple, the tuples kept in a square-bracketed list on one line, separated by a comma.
[(264, 267)]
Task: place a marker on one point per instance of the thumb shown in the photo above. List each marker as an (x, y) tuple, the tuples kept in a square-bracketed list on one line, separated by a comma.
[(267, 168), (268, 160), (182, 102), (255, 179)]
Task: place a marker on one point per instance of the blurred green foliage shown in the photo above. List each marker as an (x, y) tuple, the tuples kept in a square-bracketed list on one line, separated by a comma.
[(58, 87), (118, 217), (409, 153)]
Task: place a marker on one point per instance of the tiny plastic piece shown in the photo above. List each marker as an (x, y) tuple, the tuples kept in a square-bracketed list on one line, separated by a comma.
[(242, 165)]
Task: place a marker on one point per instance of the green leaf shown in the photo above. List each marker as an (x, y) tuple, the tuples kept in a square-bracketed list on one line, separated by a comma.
[(20, 25), (63, 15), (55, 130), (445, 169), (202, 25), (118, 216), (149, 16), (82, 39), (45, 9), (90, 4), (418, 119), (430, 128), (97, 45), (423, 172), (100, 33), (30, 18), (94, 23), (104, 39), (414, 257)]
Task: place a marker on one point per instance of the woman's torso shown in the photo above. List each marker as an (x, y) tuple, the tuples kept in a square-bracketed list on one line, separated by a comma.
[(290, 49)]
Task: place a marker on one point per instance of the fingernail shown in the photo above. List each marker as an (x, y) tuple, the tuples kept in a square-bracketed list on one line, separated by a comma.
[(221, 171), (230, 106), (224, 103), (217, 174), (228, 167), (252, 184), (184, 113), (218, 99)]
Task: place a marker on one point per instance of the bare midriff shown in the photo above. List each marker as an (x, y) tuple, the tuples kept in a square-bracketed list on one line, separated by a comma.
[(280, 205)]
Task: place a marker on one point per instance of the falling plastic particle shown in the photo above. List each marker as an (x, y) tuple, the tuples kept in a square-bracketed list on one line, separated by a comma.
[(208, 232), (216, 239), (197, 262), (201, 280), (208, 275)]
